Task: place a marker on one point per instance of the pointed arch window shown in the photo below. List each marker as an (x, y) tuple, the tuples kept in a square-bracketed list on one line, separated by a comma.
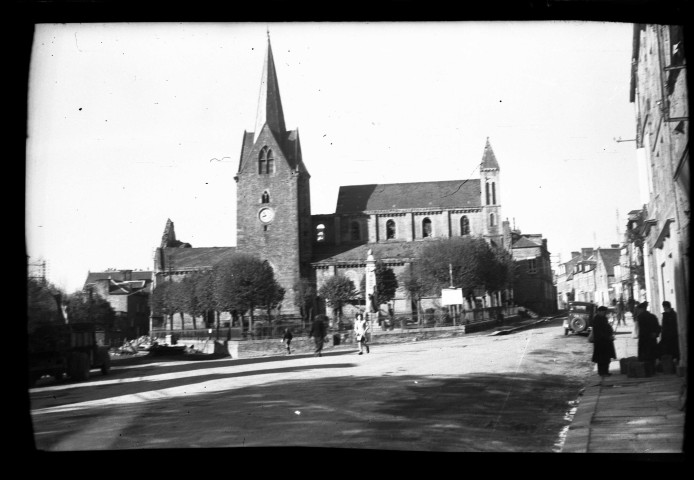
[(390, 229), (266, 161), (486, 191), (355, 231), (270, 162), (464, 225), (493, 193), (320, 233), (265, 197), (426, 228)]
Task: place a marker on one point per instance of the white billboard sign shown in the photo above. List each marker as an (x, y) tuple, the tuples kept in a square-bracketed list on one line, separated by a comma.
[(452, 296)]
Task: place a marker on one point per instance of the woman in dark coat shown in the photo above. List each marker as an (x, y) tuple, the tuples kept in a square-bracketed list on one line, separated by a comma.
[(669, 338), (649, 330), (603, 342)]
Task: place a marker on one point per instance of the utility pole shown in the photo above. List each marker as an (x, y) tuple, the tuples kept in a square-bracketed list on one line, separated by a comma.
[(455, 307)]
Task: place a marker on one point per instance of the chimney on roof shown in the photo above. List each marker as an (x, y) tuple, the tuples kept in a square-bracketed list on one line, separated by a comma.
[(575, 254)]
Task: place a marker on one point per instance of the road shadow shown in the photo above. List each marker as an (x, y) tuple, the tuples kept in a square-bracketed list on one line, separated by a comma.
[(146, 381), (503, 412)]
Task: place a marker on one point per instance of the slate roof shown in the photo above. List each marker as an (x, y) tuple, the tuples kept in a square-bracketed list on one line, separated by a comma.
[(610, 258), (117, 275), (386, 252), (195, 258), (488, 158), (128, 287), (270, 110), (525, 242), (405, 196)]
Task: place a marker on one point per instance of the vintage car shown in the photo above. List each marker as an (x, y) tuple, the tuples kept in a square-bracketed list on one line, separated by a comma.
[(579, 317)]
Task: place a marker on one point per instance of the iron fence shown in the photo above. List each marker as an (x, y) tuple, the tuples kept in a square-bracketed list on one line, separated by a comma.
[(264, 330)]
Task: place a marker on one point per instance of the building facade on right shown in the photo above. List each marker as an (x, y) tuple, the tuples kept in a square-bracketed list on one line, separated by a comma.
[(659, 92)]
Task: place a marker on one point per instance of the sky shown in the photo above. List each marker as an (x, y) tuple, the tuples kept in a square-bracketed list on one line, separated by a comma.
[(131, 124)]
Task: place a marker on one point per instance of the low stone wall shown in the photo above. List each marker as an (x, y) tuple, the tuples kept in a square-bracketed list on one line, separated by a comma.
[(344, 340), (299, 345)]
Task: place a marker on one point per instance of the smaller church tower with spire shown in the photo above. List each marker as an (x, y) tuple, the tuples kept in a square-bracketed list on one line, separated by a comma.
[(273, 194), (490, 201)]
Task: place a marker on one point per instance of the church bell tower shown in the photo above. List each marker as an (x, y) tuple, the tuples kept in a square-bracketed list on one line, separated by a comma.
[(490, 201), (273, 200)]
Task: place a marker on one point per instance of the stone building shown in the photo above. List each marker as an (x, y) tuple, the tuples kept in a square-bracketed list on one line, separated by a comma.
[(395, 221), (659, 92), (630, 273), (533, 285)]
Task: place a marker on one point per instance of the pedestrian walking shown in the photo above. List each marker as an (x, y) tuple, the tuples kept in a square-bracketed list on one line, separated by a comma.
[(649, 330), (603, 342), (621, 317), (669, 337), (361, 327), (318, 334), (287, 339)]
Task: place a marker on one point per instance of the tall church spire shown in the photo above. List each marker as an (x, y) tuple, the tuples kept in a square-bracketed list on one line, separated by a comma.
[(269, 102), (488, 158)]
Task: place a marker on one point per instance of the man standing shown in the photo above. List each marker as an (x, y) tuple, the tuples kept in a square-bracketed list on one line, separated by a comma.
[(649, 329), (318, 334), (603, 342), (669, 338)]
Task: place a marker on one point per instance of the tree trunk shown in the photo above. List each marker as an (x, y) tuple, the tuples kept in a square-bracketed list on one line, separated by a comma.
[(195, 324), (250, 320), (183, 321), (171, 320)]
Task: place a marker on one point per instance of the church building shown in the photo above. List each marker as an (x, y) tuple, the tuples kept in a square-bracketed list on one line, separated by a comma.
[(274, 221)]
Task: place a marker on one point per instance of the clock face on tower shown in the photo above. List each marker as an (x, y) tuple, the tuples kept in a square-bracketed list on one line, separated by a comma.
[(266, 215)]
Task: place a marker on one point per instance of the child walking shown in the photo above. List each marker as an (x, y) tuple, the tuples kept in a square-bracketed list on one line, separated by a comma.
[(287, 338)]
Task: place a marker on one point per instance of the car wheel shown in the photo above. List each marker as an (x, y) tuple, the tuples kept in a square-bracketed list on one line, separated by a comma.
[(578, 324)]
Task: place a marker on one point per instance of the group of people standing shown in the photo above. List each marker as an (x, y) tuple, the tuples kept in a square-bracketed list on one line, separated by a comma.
[(646, 328)]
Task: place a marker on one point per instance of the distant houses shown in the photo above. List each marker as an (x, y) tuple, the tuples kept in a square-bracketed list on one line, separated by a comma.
[(128, 293), (590, 277)]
